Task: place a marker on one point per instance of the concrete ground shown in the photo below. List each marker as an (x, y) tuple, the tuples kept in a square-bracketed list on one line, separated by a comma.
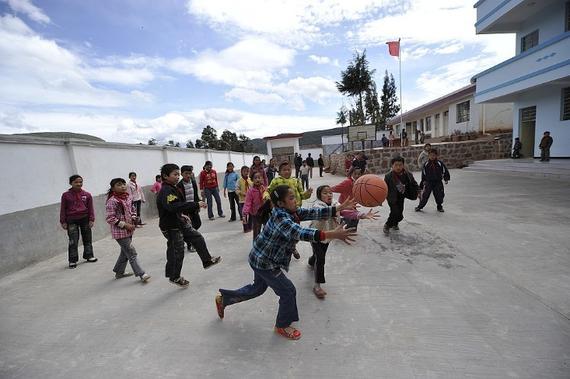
[(480, 291)]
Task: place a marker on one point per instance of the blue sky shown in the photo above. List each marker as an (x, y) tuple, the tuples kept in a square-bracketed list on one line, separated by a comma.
[(132, 70)]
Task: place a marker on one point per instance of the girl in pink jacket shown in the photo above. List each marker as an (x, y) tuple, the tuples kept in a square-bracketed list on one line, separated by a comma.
[(254, 201)]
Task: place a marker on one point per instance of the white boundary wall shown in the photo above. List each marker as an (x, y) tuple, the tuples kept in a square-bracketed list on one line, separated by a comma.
[(35, 171)]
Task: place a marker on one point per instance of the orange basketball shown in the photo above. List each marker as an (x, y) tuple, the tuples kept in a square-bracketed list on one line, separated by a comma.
[(370, 190)]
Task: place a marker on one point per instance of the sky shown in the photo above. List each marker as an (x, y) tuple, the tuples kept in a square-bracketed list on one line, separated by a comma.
[(131, 70)]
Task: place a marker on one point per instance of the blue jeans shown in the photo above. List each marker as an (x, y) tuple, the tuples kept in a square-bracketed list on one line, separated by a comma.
[(209, 192), (279, 283)]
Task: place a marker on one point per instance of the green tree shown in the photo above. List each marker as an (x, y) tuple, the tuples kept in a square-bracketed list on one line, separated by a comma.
[(210, 137), (200, 144), (244, 143), (389, 101), (229, 141), (371, 105), (341, 120), (189, 144), (152, 141), (355, 81)]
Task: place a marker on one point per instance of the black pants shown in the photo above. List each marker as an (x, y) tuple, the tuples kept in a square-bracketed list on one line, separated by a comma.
[(137, 205), (321, 171), (175, 249), (297, 171), (73, 229), (396, 212), (196, 222), (305, 181), (255, 225), (545, 154), (234, 200), (317, 260), (438, 193)]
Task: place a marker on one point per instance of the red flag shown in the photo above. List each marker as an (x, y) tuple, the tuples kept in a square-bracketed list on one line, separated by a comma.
[(394, 48)]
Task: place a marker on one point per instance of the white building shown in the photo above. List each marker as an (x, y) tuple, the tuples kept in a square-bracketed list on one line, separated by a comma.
[(283, 147), (453, 112), (537, 78)]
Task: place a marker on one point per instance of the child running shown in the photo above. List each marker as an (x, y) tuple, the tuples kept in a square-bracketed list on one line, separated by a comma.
[(230, 186), (121, 216), (243, 185), (271, 255), (401, 184), (77, 215), (177, 228), (434, 172), (317, 260), (253, 202)]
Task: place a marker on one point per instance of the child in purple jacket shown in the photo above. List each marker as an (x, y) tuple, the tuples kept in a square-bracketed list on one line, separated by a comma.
[(77, 216)]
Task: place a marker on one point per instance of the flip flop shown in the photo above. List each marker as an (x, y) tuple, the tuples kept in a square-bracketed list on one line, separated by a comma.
[(294, 334)]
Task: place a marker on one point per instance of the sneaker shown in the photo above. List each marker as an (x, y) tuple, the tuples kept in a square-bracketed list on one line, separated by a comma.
[(212, 262), (440, 208), (396, 227), (417, 209), (222, 216), (211, 218), (220, 305), (386, 229), (181, 282), (72, 265), (145, 277), (122, 275), (92, 260), (231, 220)]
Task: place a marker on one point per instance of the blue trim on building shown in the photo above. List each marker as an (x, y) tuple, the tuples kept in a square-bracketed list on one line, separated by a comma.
[(525, 77), (493, 11), (530, 51), (478, 3)]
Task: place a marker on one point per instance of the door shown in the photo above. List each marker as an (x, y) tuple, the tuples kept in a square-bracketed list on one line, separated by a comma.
[(527, 123), (445, 131)]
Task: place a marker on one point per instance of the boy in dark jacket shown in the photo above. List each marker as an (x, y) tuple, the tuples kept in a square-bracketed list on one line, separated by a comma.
[(189, 190), (176, 226), (401, 184), (433, 173)]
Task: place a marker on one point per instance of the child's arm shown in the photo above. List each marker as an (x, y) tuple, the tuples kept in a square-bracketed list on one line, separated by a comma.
[(63, 212), (446, 176), (248, 204), (294, 231), (167, 200), (353, 214), (272, 186), (342, 186), (91, 210)]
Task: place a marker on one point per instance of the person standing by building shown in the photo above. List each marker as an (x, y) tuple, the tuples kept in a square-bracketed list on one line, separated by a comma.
[(404, 138), (209, 188), (137, 195), (311, 163), (321, 163), (391, 139), (517, 146), (298, 163), (544, 146)]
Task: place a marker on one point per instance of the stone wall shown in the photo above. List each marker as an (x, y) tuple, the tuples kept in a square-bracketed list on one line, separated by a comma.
[(453, 154)]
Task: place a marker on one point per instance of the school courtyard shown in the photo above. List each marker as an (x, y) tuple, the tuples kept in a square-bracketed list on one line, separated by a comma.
[(480, 291)]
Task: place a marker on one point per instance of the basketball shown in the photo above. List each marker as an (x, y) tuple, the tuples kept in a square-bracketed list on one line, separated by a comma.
[(370, 190)]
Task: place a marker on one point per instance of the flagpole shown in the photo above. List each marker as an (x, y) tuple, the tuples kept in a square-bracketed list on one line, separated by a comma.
[(400, 63)]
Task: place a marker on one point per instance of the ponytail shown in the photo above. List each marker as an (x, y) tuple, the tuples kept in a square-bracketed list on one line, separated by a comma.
[(278, 194)]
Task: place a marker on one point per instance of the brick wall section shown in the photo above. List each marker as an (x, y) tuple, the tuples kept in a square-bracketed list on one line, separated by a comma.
[(453, 154)]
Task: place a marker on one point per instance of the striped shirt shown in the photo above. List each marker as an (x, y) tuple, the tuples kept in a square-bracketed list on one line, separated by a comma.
[(273, 247)]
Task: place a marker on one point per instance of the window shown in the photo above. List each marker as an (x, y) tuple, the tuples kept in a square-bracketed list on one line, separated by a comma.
[(529, 41), (463, 112), (428, 124), (567, 18), (565, 103)]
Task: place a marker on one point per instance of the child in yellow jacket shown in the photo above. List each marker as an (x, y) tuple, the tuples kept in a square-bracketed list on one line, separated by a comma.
[(285, 178)]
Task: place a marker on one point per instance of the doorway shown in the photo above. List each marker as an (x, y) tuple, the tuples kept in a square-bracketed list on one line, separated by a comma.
[(527, 124)]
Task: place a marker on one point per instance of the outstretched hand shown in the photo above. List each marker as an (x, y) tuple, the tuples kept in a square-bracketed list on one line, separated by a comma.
[(371, 215), (343, 234), (349, 203)]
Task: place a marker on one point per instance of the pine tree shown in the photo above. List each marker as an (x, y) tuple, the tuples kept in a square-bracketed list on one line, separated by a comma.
[(355, 81), (390, 106), (210, 137)]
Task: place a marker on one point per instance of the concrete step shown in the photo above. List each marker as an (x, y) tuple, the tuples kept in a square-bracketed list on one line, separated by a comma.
[(555, 169)]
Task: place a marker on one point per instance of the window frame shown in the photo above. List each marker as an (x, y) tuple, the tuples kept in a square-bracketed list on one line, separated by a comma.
[(565, 101), (463, 115), (523, 38), (567, 18)]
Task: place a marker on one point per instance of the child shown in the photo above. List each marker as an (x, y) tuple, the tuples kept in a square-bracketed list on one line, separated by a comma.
[(244, 184), (157, 184), (121, 216), (176, 227), (254, 201), (544, 147), (137, 195), (258, 166), (317, 260), (433, 172), (189, 191), (77, 215), (270, 171), (271, 255), (230, 184), (209, 188), (305, 169), (345, 190), (517, 147), (401, 184), (423, 157)]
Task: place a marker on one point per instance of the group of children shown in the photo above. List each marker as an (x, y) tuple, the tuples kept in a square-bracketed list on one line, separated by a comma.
[(275, 205)]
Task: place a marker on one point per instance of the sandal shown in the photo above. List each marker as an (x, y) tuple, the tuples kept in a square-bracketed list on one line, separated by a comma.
[(289, 332), (220, 305), (319, 293), (213, 261)]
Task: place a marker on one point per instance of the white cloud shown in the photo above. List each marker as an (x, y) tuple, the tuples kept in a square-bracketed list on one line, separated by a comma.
[(319, 60), (26, 7), (250, 96), (127, 77)]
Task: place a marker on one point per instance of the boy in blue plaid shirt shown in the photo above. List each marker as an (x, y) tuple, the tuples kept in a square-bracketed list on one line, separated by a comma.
[(271, 255)]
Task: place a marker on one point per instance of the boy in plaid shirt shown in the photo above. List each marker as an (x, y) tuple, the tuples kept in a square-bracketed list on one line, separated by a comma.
[(271, 255), (121, 215)]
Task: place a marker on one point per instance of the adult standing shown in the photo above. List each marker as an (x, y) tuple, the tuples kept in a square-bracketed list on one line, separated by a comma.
[(321, 163), (544, 147), (385, 141), (404, 138), (298, 163), (391, 138), (271, 170), (311, 163), (257, 166)]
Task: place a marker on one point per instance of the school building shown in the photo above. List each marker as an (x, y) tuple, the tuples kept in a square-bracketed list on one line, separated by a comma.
[(537, 79), (454, 113), (283, 147)]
